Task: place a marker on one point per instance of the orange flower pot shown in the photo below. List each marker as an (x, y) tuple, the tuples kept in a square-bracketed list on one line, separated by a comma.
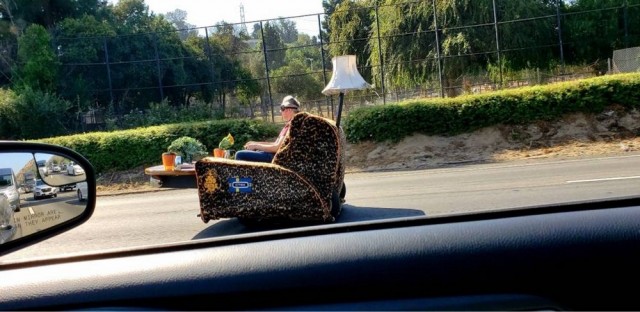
[(218, 152), (169, 161)]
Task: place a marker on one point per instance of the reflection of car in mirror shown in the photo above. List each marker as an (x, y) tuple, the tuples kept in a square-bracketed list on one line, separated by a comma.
[(44, 190), (9, 187), (67, 187), (82, 191), (6, 216), (74, 169)]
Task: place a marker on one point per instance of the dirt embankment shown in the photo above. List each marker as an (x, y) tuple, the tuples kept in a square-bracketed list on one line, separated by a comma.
[(613, 132)]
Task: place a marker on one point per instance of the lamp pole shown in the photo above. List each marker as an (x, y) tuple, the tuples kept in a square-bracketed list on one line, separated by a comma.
[(341, 98)]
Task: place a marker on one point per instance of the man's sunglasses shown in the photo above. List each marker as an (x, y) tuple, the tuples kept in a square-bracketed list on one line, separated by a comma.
[(282, 109)]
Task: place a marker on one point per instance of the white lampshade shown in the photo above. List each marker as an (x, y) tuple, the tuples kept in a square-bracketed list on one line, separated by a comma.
[(345, 76)]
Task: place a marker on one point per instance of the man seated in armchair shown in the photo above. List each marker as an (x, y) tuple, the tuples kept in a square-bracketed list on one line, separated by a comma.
[(264, 151), (302, 183)]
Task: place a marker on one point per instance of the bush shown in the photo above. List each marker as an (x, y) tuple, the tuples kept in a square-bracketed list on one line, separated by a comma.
[(127, 149), (32, 114), (469, 113), (160, 114)]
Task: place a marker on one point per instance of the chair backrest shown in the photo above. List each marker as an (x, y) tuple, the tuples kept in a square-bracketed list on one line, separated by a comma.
[(313, 149)]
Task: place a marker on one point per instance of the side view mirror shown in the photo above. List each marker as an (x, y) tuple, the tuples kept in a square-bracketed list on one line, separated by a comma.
[(44, 190)]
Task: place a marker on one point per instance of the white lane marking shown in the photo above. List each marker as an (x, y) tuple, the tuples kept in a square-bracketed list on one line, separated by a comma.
[(31, 211), (604, 179)]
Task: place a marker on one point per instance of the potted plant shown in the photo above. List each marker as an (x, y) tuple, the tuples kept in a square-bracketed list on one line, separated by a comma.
[(188, 148), (225, 144)]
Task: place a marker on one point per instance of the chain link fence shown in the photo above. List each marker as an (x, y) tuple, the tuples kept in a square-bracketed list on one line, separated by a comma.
[(625, 61), (162, 70)]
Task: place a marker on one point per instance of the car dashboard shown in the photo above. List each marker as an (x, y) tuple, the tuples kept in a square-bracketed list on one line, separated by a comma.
[(582, 256)]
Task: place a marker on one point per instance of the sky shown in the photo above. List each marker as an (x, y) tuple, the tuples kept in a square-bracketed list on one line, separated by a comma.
[(209, 12)]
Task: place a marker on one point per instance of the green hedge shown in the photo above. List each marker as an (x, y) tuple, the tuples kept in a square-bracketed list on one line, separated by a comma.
[(394, 122), (122, 150), (126, 149)]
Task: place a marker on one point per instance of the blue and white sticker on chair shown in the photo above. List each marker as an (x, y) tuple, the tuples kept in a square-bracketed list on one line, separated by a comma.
[(240, 184)]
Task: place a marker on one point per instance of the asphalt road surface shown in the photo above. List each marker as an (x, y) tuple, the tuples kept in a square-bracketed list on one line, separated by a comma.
[(171, 216)]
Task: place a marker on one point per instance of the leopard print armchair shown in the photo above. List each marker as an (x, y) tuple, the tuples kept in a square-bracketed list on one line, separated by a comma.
[(304, 182)]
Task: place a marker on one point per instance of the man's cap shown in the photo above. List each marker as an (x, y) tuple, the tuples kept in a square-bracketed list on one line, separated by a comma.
[(290, 102)]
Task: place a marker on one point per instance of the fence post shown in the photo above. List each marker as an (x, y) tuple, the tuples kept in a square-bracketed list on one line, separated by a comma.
[(266, 69), (384, 95), (329, 99), (213, 72), (560, 37), (106, 62), (495, 25), (626, 23), (435, 24), (155, 48)]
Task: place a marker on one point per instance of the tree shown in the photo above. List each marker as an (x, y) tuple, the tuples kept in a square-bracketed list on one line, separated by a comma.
[(37, 64), (329, 6), (132, 16), (302, 74), (82, 41), (301, 85), (231, 41), (200, 66), (248, 89), (148, 54), (465, 40), (351, 23), (255, 32), (179, 20), (275, 47), (48, 13), (230, 38), (8, 41), (527, 32), (593, 29), (287, 29)]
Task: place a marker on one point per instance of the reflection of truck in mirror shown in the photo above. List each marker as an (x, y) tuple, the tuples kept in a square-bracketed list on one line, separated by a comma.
[(9, 187), (42, 168), (29, 182)]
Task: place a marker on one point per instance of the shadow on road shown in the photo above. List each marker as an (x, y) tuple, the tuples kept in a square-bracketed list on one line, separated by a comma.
[(349, 214)]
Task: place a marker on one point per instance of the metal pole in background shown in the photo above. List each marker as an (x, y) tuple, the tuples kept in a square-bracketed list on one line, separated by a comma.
[(626, 23), (106, 62), (384, 94), (209, 56), (266, 69), (155, 48), (435, 24), (495, 25), (324, 66), (560, 36)]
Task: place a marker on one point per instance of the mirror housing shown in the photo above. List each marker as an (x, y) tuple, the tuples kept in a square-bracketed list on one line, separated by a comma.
[(78, 170)]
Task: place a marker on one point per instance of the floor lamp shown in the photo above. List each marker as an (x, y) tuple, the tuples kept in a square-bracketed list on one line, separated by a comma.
[(345, 77)]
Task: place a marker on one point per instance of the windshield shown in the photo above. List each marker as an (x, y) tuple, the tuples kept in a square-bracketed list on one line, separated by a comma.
[(5, 180), (342, 112)]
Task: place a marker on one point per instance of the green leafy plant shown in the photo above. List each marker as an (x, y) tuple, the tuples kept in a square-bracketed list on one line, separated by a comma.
[(226, 142), (188, 148)]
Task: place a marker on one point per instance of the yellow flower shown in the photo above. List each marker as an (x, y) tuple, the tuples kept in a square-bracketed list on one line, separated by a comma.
[(226, 142)]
